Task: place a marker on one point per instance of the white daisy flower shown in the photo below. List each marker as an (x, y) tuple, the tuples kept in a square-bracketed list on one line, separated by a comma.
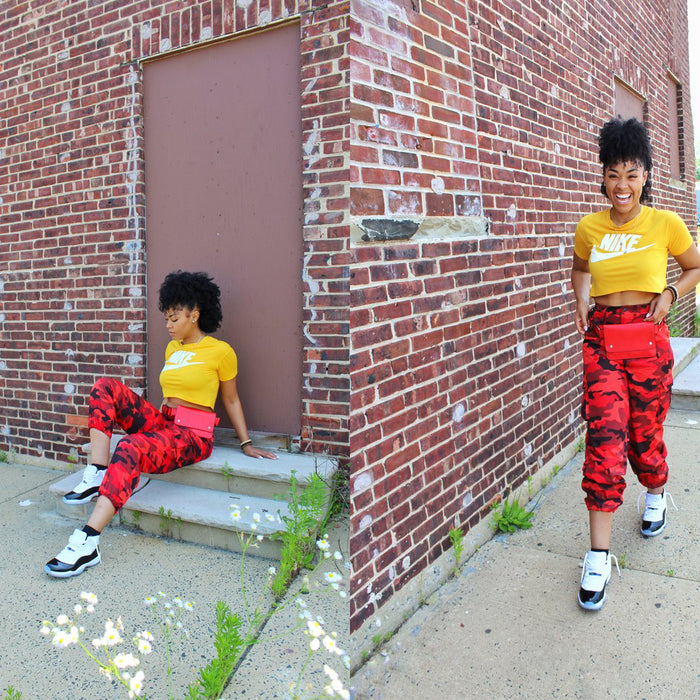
[(136, 684), (61, 638), (315, 630), (329, 643), (125, 661), (111, 636)]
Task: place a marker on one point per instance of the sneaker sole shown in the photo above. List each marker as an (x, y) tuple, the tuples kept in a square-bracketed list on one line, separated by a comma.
[(77, 572), (79, 501), (592, 606), (143, 480), (648, 533)]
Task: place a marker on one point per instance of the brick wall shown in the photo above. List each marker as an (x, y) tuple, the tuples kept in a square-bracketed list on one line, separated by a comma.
[(72, 203), (326, 125), (465, 364)]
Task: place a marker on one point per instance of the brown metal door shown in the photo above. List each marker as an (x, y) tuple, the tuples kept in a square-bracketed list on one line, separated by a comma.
[(224, 195)]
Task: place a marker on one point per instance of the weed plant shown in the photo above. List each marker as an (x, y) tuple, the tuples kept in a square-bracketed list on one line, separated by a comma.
[(306, 510), (457, 539), (510, 516)]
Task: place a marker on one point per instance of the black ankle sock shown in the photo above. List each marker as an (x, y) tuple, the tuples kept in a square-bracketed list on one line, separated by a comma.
[(607, 551), (90, 531), (99, 467)]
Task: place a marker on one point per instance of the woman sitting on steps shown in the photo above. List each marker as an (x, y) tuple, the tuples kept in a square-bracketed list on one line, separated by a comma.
[(157, 441)]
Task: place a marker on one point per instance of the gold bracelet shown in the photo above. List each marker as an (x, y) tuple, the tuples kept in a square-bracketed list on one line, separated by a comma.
[(245, 444)]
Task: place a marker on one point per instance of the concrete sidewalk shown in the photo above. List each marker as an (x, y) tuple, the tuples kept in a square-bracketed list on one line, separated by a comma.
[(133, 567), (509, 625)]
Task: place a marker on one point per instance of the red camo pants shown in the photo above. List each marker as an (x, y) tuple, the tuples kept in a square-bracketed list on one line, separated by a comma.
[(625, 403), (153, 443)]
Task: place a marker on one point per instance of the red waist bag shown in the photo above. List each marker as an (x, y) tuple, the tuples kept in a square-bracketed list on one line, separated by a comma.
[(628, 341), (200, 422)]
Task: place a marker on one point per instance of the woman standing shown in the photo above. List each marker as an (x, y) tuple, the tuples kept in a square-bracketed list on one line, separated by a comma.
[(157, 441), (620, 259)]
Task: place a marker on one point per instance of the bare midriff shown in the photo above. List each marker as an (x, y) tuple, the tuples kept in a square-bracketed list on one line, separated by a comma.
[(626, 298), (173, 402)]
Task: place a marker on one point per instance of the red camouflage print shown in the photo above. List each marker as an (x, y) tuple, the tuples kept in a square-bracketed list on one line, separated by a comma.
[(625, 403), (153, 444)]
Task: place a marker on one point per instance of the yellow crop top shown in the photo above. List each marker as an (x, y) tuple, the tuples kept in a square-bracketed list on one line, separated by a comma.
[(193, 372), (631, 257)]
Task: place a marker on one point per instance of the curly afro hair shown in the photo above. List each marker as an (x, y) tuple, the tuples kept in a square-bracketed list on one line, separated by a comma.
[(193, 290), (623, 141)]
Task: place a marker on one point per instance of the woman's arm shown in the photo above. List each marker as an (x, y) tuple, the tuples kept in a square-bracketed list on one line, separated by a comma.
[(581, 282), (689, 262), (234, 409)]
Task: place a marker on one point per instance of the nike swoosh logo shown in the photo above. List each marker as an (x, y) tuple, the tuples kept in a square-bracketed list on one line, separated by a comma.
[(600, 255), (166, 368)]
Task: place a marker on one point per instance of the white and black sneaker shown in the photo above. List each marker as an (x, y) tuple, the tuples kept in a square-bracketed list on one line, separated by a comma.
[(655, 509), (594, 579), (80, 552), (88, 488)]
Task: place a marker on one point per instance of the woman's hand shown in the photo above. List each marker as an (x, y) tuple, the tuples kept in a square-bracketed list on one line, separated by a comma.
[(581, 283), (581, 317), (257, 453), (659, 306)]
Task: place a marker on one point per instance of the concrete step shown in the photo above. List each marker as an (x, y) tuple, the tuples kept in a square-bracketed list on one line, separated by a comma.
[(686, 372), (684, 352), (193, 503), (228, 469), (686, 388), (189, 513)]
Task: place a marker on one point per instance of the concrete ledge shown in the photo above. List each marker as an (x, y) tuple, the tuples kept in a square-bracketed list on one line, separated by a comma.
[(203, 516), (686, 388), (684, 351), (404, 229), (228, 469), (190, 514)]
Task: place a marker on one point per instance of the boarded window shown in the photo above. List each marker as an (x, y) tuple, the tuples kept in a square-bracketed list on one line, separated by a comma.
[(628, 103), (675, 143)]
